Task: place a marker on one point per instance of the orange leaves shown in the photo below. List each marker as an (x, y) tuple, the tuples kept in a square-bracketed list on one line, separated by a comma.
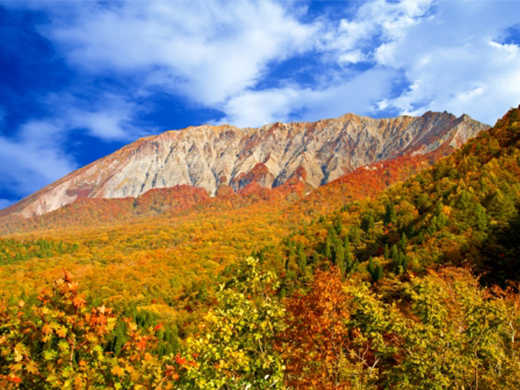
[(315, 344), (118, 371), (72, 353), (78, 301), (61, 331), (141, 343), (46, 329)]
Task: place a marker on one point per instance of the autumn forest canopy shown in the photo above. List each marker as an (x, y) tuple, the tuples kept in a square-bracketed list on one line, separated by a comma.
[(402, 277)]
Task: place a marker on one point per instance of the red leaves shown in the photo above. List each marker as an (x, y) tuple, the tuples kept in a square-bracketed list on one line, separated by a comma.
[(181, 361), (11, 378), (141, 344)]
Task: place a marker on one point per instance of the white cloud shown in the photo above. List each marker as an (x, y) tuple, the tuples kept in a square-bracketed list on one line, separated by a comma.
[(456, 64), (34, 158), (451, 62), (374, 21), (256, 108), (207, 51), (36, 155), (104, 115)]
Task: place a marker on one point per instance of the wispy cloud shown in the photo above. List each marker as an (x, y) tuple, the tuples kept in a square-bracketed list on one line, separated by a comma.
[(33, 158), (256, 108), (35, 155)]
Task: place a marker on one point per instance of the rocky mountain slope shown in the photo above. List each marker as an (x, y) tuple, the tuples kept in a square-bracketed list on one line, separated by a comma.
[(212, 157)]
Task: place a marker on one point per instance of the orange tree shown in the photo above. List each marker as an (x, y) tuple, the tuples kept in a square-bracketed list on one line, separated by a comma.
[(317, 344)]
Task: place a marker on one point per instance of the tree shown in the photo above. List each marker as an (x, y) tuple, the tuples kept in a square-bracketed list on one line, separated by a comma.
[(235, 349), (390, 215), (59, 342), (367, 222), (316, 343), (403, 243)]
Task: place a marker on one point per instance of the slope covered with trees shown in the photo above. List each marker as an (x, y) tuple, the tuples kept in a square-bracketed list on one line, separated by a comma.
[(463, 211), (413, 288)]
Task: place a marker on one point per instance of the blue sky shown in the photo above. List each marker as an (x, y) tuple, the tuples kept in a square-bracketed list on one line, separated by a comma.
[(80, 79)]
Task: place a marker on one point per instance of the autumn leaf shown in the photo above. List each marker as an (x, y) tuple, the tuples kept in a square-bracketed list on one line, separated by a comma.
[(46, 329), (79, 301), (118, 371), (32, 367), (61, 331)]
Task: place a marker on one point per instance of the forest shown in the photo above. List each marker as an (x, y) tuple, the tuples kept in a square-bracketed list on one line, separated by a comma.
[(404, 275)]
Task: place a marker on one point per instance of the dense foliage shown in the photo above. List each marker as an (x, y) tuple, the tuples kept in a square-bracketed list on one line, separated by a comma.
[(414, 288)]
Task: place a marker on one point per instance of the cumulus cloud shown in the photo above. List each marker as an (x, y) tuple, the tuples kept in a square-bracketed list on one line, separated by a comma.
[(452, 63), (207, 51), (256, 108), (447, 62)]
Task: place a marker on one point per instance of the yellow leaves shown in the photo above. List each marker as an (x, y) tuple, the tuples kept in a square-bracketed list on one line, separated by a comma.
[(16, 367), (32, 367), (61, 331), (118, 371), (17, 355), (47, 329)]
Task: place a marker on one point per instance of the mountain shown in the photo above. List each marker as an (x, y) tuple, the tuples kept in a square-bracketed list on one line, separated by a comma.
[(212, 157), (392, 274)]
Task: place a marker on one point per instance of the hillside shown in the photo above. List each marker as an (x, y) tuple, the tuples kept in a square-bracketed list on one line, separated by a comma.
[(398, 275), (462, 211)]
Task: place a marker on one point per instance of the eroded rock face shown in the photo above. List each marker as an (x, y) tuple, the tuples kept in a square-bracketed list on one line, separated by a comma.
[(214, 156)]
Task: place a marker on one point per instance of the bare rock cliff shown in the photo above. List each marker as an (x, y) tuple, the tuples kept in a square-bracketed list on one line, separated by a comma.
[(213, 156)]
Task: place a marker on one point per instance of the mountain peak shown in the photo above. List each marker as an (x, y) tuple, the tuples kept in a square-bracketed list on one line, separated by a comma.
[(212, 156)]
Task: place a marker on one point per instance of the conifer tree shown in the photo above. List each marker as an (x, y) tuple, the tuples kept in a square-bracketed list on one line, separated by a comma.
[(302, 258), (403, 243), (328, 253), (371, 267), (390, 215)]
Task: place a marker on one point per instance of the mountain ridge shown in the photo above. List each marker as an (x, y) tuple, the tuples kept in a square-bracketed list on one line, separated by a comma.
[(212, 157)]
